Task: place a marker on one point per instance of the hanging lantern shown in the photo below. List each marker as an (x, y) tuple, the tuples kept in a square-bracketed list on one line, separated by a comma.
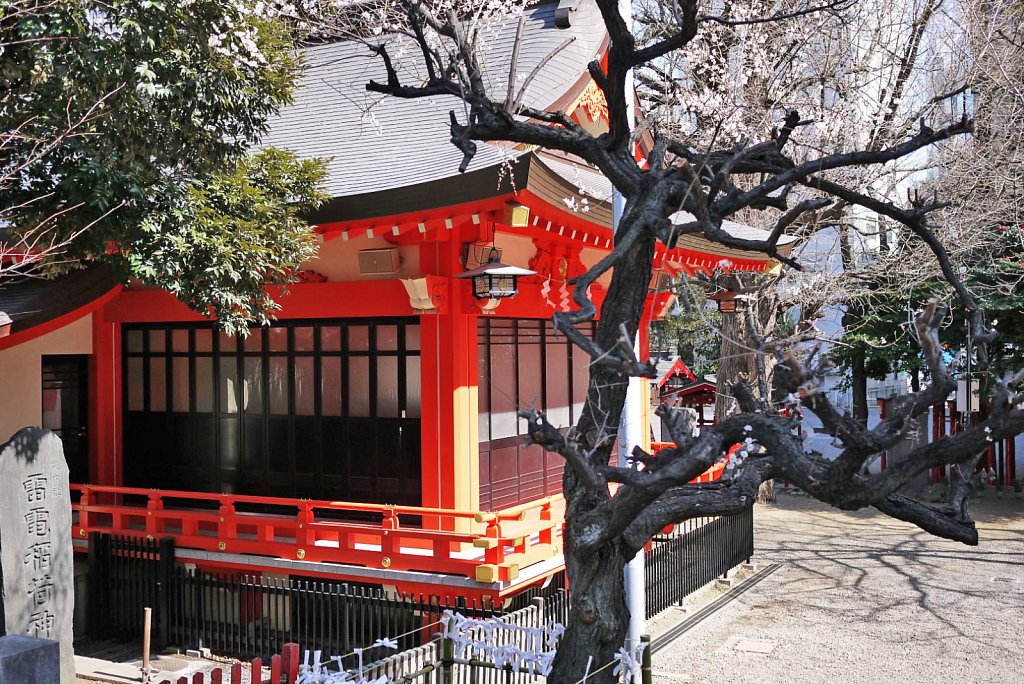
[(727, 301), (495, 280)]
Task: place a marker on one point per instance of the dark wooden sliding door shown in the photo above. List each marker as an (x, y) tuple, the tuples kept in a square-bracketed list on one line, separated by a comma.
[(326, 409)]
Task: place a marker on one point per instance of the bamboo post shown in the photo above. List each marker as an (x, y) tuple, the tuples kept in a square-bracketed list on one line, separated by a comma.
[(646, 670)]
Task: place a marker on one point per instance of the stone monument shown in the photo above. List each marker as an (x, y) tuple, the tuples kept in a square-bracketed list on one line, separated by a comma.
[(35, 542)]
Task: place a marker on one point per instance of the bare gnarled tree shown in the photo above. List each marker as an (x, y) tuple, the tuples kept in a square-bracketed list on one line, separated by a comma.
[(605, 528)]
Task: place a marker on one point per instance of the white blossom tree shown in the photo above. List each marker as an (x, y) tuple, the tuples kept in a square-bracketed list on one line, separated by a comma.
[(712, 160)]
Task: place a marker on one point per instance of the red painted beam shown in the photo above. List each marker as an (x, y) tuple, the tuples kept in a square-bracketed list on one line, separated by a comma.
[(408, 222), (303, 300)]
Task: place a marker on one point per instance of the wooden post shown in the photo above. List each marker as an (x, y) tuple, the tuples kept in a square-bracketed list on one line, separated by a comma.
[(646, 671), (290, 662), (147, 623), (447, 655), (105, 405), (448, 352), (275, 669), (256, 673)]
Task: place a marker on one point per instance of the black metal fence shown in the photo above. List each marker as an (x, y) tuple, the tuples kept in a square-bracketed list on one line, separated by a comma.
[(125, 576), (697, 551), (245, 616), (440, 661)]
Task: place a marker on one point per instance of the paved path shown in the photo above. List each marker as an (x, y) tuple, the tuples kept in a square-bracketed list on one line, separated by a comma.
[(861, 598)]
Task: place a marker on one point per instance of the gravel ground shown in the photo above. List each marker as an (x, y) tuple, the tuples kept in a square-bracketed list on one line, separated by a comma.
[(861, 598)]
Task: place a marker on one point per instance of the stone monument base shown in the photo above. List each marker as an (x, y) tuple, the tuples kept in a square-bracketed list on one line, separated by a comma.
[(27, 660)]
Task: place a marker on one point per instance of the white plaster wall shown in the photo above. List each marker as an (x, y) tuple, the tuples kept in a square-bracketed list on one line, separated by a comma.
[(338, 259), (21, 392), (516, 250)]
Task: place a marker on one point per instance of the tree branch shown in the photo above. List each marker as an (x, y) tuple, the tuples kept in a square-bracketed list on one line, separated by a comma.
[(546, 435)]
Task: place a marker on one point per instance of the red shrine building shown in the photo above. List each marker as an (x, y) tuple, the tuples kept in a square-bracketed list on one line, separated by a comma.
[(369, 434)]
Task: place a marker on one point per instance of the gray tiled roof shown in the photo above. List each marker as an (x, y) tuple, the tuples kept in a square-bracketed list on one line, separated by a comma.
[(379, 142)]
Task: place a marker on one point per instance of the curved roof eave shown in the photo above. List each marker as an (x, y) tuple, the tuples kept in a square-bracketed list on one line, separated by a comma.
[(579, 181), (37, 306), (557, 184)]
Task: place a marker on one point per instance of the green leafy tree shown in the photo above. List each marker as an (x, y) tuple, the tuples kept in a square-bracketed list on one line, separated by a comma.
[(217, 243), (993, 270), (117, 116), (689, 331)]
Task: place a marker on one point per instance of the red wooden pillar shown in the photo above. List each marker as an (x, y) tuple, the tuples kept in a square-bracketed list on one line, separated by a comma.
[(105, 405), (448, 354), (938, 432), (450, 442)]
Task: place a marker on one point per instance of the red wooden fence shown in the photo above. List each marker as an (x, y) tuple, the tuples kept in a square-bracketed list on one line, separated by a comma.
[(284, 669)]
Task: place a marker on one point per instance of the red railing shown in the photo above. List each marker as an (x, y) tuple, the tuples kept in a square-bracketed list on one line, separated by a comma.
[(487, 546)]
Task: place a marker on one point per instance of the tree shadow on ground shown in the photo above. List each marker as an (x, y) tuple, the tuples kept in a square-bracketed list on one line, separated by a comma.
[(874, 568)]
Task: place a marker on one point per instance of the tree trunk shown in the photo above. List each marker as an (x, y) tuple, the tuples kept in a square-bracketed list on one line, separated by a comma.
[(765, 317), (598, 618), (733, 361), (859, 386), (851, 319)]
